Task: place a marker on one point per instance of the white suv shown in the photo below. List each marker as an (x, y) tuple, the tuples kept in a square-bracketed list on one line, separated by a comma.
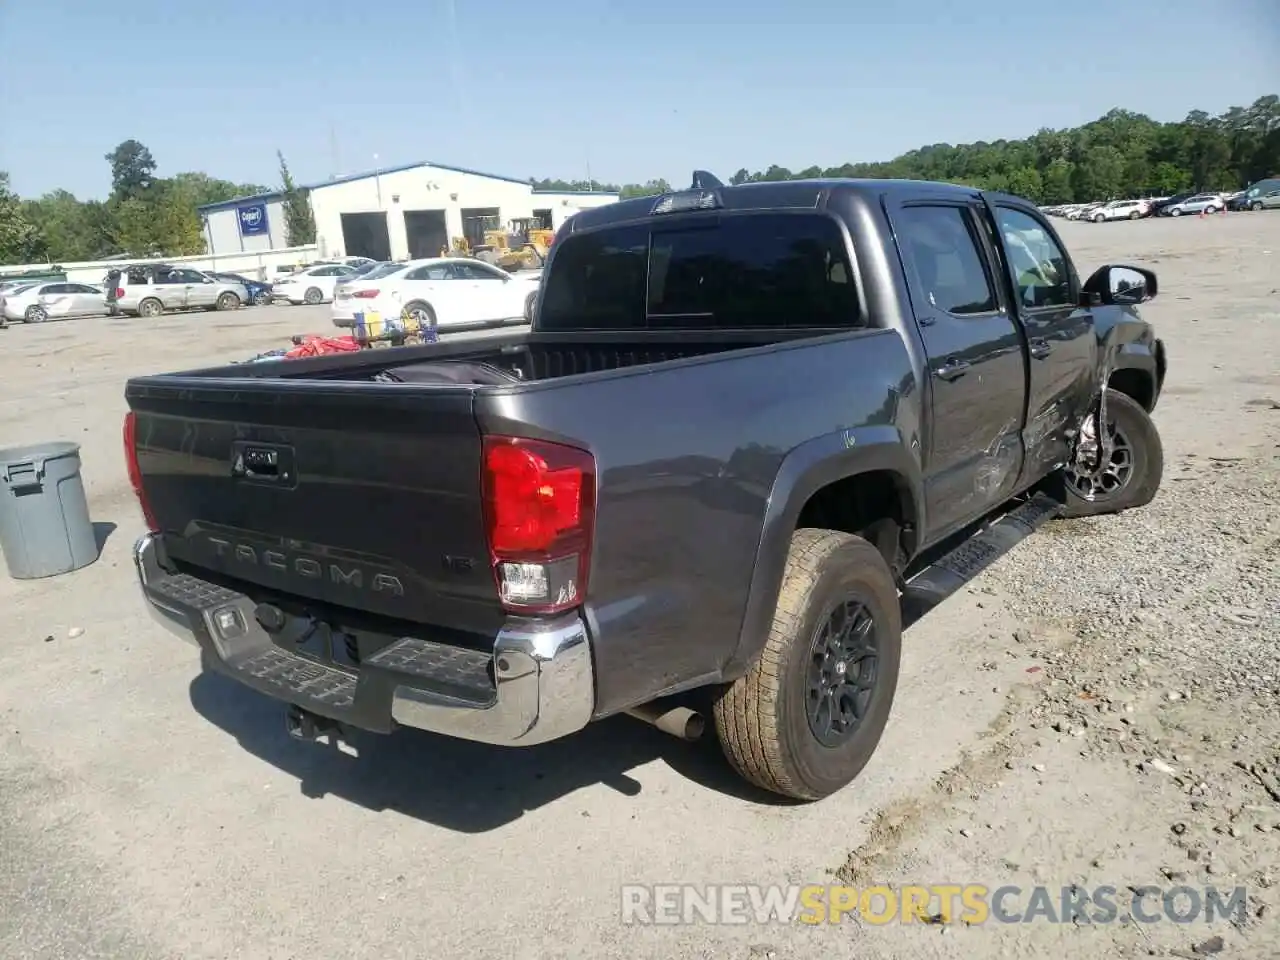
[(1121, 210), (150, 289), (312, 285)]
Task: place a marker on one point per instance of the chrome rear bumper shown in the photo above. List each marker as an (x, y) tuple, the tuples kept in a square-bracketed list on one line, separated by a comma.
[(536, 684)]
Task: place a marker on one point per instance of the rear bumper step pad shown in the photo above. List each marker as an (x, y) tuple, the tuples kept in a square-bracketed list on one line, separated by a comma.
[(536, 684)]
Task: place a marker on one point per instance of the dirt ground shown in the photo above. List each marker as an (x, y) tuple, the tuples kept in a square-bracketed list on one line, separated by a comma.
[(1101, 708)]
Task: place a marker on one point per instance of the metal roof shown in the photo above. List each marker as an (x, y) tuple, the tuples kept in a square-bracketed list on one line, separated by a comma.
[(387, 171), (240, 201)]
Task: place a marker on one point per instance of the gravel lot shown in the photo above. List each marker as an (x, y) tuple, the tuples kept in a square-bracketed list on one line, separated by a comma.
[(1102, 707)]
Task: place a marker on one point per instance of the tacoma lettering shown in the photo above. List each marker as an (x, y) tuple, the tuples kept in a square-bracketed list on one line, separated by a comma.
[(308, 567)]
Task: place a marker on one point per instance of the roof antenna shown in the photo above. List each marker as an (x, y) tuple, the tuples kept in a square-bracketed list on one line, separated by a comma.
[(705, 181)]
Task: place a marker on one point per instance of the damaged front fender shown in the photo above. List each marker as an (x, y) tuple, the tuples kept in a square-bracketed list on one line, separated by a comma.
[(1131, 360)]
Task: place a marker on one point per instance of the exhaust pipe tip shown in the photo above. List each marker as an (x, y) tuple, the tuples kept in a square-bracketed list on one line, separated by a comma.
[(680, 722)]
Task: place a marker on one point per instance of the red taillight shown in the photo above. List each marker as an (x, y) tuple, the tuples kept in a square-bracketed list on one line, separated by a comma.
[(539, 502), (135, 472), (119, 293), (365, 294)]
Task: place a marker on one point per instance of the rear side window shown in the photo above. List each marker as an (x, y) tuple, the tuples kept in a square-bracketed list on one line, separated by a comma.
[(383, 270), (940, 244), (746, 271)]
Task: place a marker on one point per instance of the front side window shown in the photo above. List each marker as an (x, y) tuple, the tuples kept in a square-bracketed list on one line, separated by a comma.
[(1039, 266), (756, 270), (474, 271)]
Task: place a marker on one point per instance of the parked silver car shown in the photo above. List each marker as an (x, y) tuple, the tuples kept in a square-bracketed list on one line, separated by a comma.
[(57, 300), (1200, 203), (148, 290)]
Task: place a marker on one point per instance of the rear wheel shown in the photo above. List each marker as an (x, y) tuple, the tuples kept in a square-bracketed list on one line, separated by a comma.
[(35, 314), (312, 296), (1134, 215), (1098, 218), (228, 301), (807, 717), (150, 307), (420, 314)]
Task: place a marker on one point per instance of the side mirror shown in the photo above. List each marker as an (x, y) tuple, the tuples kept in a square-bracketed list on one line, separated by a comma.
[(1120, 285)]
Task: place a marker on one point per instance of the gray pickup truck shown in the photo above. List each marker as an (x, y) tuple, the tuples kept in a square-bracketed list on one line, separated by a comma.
[(749, 426)]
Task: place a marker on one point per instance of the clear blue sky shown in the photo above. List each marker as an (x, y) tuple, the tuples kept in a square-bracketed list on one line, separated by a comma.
[(633, 88)]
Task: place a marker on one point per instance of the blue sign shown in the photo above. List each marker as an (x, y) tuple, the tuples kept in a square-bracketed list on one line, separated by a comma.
[(253, 220)]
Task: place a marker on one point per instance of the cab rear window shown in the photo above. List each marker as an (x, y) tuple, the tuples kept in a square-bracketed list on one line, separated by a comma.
[(757, 270)]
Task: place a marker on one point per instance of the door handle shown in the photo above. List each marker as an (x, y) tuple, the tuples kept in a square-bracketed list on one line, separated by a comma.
[(1040, 349), (953, 369)]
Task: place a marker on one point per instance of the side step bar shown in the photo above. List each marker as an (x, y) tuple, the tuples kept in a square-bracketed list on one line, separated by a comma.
[(944, 576)]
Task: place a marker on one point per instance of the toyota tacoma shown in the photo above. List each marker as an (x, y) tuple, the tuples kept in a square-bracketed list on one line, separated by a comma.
[(748, 426)]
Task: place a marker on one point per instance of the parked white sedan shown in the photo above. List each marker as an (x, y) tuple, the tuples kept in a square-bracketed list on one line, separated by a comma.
[(449, 291), (312, 285), (52, 301)]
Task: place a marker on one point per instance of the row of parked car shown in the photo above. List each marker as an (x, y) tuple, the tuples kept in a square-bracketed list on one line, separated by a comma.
[(1263, 195), (151, 289), (448, 291)]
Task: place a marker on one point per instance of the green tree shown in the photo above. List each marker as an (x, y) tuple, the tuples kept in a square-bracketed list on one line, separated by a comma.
[(132, 170), (72, 230), (133, 228), (20, 240), (1056, 181), (1027, 182), (300, 221), (651, 189)]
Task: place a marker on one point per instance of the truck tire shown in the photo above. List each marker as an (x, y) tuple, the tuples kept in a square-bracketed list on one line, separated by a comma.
[(806, 718), (1133, 475)]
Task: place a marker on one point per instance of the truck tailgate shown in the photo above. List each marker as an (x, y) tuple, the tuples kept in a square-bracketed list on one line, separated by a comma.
[(364, 496)]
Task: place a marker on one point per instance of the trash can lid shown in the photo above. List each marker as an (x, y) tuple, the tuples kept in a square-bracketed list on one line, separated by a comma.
[(38, 451)]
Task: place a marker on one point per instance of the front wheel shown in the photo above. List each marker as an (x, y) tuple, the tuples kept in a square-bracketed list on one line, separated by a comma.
[(228, 301), (35, 314), (1098, 218), (1132, 472), (810, 712), (1256, 205)]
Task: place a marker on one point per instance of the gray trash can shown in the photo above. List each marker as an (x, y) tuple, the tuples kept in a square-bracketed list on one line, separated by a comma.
[(44, 515)]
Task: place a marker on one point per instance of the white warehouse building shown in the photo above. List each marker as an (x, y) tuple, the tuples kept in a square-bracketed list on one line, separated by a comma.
[(396, 213)]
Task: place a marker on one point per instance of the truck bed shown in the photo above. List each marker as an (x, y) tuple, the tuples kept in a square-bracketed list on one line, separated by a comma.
[(529, 356)]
